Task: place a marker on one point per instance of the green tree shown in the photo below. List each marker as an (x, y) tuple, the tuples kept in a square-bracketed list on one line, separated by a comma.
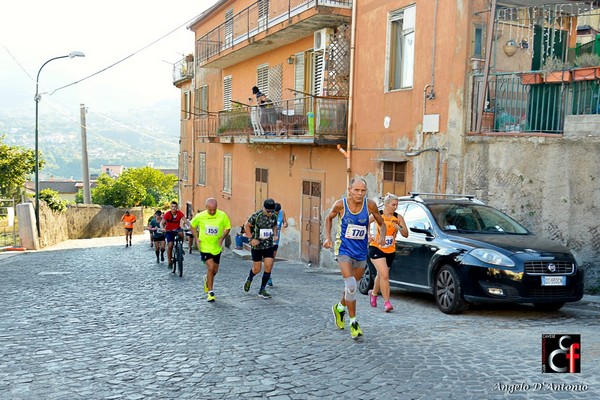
[(53, 200), (16, 163), (120, 192), (157, 184)]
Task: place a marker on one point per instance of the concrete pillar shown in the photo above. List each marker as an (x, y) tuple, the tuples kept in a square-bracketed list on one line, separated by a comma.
[(27, 226)]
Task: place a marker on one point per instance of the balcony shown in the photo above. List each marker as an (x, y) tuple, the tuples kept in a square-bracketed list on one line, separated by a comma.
[(183, 70), (267, 25), (515, 107), (287, 121)]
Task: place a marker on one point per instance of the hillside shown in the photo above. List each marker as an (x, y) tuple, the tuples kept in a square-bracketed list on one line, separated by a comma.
[(131, 138)]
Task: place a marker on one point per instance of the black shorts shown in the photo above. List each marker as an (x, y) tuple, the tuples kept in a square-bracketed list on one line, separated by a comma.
[(160, 238), (208, 256), (128, 230), (260, 254), (375, 252)]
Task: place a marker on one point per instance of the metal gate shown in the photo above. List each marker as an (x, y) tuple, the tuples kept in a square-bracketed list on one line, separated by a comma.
[(8, 223)]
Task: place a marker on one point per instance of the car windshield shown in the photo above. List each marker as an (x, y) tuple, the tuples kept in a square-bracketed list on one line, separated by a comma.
[(474, 218)]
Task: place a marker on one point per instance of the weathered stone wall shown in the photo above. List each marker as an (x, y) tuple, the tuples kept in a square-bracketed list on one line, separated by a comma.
[(83, 221), (550, 184)]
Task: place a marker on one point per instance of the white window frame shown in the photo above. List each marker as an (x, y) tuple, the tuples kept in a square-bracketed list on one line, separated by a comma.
[(227, 172), (227, 92), (401, 38), (262, 78)]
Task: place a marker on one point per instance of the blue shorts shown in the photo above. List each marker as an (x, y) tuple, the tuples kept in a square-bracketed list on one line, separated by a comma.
[(170, 235)]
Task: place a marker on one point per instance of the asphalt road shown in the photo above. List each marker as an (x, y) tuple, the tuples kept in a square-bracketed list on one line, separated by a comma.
[(91, 319)]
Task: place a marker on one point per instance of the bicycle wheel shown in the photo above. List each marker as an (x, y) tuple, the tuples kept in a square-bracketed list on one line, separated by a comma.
[(179, 258)]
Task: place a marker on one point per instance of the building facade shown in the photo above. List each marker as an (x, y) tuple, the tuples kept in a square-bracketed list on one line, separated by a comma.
[(423, 95)]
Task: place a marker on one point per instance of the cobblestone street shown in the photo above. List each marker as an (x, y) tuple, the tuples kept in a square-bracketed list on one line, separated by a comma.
[(92, 319)]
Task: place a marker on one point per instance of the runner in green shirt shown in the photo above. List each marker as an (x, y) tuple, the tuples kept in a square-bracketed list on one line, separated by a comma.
[(210, 228)]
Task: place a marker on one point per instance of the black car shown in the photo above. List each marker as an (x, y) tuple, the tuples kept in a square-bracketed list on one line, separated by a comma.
[(462, 252)]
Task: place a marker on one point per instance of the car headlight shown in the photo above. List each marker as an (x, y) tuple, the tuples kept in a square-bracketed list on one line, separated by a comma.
[(492, 257)]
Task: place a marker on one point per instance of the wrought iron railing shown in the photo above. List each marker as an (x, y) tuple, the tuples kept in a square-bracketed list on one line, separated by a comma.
[(324, 118), (254, 19), (206, 124), (511, 106)]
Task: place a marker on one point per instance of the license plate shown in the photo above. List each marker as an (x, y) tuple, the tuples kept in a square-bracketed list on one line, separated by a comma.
[(554, 280)]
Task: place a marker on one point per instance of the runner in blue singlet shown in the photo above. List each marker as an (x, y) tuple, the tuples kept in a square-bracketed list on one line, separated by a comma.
[(351, 246)]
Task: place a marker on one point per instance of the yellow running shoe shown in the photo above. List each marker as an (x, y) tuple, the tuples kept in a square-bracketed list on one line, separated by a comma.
[(210, 297), (355, 330), (339, 316)]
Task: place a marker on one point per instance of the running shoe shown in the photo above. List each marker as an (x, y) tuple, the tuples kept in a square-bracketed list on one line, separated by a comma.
[(270, 282), (157, 260), (210, 297), (355, 330), (372, 299), (264, 294), (247, 285), (162, 257), (126, 245), (339, 316), (388, 306), (205, 284)]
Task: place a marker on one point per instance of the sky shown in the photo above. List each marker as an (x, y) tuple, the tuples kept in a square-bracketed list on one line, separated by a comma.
[(106, 31)]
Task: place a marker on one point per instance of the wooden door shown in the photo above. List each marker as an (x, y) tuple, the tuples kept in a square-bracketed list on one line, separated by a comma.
[(261, 188), (311, 222)]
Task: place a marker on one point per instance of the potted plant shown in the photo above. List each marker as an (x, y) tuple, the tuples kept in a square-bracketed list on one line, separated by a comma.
[(587, 67), (556, 70), (531, 78)]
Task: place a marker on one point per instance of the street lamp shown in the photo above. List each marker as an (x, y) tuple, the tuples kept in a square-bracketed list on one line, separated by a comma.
[(37, 99)]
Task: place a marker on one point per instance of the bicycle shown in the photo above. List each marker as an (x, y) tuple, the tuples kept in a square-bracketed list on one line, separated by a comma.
[(177, 256)]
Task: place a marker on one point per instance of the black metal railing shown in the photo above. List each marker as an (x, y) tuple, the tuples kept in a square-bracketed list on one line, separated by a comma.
[(512, 106), (183, 69), (253, 20)]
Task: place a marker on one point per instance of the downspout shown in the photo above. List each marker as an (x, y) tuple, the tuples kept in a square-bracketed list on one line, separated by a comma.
[(486, 66), (349, 138)]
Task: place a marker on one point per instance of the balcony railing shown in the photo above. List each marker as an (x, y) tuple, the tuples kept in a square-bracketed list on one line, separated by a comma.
[(184, 69), (254, 19), (512, 106), (319, 119)]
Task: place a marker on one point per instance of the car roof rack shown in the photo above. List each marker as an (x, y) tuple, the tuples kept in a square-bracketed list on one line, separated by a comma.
[(417, 196)]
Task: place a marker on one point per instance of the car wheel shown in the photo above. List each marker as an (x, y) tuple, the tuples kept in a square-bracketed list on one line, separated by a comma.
[(448, 291), (368, 279), (548, 306)]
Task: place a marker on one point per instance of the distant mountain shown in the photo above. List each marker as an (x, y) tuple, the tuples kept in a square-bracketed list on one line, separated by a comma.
[(132, 138)]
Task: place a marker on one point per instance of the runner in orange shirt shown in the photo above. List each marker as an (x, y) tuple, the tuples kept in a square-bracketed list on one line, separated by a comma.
[(128, 220)]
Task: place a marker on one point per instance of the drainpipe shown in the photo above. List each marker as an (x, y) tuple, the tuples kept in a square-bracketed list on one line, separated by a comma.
[(349, 139), (486, 67)]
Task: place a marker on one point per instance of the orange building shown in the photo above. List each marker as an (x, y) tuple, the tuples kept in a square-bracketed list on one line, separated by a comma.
[(390, 91)]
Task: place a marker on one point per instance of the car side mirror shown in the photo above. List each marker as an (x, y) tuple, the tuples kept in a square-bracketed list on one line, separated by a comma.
[(419, 227)]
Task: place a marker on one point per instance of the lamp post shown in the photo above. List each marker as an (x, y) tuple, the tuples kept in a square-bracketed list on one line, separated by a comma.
[(37, 99)]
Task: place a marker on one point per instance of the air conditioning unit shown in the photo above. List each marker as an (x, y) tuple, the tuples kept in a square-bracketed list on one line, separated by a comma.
[(322, 38)]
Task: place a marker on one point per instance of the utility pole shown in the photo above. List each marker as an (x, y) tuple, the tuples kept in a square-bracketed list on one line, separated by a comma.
[(84, 157)]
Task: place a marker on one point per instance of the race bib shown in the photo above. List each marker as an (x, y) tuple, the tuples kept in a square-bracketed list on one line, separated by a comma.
[(265, 233), (389, 240), (211, 230), (355, 232), (128, 224)]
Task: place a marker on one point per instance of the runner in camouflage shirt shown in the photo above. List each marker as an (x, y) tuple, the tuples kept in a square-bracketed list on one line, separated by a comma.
[(261, 229)]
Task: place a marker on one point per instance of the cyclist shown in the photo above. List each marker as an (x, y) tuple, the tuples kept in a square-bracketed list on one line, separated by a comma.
[(261, 229), (173, 222), (158, 235), (210, 228)]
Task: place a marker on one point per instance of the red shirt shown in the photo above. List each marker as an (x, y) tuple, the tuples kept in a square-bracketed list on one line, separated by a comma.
[(172, 222)]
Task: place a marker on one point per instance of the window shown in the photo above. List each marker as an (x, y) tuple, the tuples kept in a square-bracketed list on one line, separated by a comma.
[(227, 173), (227, 92), (186, 105), (228, 29), (478, 42), (394, 178), (263, 14), (415, 215), (184, 165), (203, 100), (262, 78), (401, 48), (202, 168)]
